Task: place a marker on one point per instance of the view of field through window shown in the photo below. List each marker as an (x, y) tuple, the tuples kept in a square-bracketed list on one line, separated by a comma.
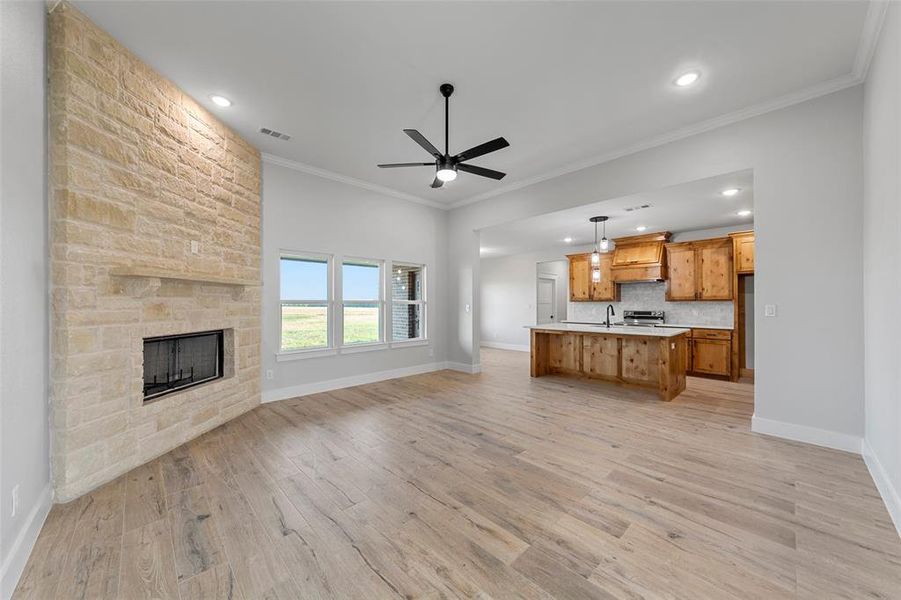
[(305, 308)]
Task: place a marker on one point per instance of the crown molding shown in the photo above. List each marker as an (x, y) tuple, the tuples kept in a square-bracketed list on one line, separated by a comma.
[(869, 37), (821, 89), (331, 175)]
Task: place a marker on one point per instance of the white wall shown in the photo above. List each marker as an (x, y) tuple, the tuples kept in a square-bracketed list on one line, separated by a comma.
[(509, 294), (807, 164), (882, 263), (24, 449), (303, 212)]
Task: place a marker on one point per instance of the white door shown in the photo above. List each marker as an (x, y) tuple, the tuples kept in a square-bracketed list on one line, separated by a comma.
[(547, 300)]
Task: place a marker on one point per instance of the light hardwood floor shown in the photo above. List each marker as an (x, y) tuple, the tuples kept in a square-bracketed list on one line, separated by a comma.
[(448, 485)]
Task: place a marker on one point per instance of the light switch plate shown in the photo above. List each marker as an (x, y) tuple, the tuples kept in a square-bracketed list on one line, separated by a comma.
[(769, 310), (195, 247)]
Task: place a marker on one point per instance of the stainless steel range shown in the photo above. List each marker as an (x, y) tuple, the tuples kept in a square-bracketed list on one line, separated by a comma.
[(643, 318)]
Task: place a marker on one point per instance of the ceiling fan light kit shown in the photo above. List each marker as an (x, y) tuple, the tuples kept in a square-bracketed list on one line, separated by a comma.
[(447, 166)]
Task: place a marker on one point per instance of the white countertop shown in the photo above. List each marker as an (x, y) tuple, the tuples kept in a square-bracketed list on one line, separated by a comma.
[(676, 325), (614, 329)]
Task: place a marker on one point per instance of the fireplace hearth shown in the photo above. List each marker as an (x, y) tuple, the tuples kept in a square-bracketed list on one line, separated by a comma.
[(176, 362)]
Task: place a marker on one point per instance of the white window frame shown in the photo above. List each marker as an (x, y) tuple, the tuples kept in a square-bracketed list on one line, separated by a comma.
[(363, 346), (329, 303), (423, 339)]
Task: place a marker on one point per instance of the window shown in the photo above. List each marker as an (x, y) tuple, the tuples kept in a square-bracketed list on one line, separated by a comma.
[(407, 302), (304, 285), (361, 284)]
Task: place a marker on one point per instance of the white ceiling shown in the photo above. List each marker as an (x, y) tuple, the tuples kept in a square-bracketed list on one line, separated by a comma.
[(563, 82), (687, 207)]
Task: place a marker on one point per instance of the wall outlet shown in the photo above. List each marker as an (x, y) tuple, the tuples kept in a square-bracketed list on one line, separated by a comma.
[(467, 308), (769, 310), (270, 374), (15, 503), (195, 247)]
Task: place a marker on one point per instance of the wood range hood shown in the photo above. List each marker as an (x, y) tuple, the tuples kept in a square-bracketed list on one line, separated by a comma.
[(639, 258)]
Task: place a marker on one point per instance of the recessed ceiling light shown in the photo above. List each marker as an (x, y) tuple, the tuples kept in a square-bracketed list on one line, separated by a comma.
[(728, 193), (220, 101), (567, 240), (743, 213), (686, 79), (641, 228)]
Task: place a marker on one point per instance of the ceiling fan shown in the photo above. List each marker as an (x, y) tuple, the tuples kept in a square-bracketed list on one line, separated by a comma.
[(446, 166)]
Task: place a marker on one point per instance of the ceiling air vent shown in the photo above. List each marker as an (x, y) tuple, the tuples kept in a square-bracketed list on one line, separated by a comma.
[(276, 134), (634, 208)]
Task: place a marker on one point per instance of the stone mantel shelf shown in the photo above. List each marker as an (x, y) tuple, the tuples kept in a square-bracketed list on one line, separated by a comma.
[(150, 273)]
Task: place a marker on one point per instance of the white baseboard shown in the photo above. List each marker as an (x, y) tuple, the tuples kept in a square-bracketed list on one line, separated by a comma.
[(21, 549), (464, 367), (887, 490), (502, 346), (344, 382), (809, 435), (328, 385)]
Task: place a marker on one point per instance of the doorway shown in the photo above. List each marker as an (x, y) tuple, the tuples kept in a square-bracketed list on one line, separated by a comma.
[(547, 299)]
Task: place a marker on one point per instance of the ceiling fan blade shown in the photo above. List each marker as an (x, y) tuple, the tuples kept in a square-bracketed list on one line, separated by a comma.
[(437, 183), (481, 171), (395, 165), (481, 149), (420, 139)]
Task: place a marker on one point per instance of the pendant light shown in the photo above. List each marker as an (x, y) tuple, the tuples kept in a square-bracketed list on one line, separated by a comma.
[(596, 253)]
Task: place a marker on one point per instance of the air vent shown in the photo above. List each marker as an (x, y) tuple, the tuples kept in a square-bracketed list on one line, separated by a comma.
[(275, 134), (634, 208)]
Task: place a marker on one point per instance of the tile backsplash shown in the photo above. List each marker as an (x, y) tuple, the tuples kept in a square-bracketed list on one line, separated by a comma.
[(651, 296)]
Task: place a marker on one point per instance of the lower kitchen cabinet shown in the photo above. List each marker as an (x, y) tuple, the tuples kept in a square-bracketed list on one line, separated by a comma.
[(710, 352)]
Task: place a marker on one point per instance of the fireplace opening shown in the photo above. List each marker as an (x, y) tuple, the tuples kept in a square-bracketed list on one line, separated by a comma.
[(176, 362)]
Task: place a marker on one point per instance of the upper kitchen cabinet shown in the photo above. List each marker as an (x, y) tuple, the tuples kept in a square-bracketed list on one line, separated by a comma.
[(743, 250), (579, 277), (639, 258), (582, 289), (681, 266), (606, 288), (699, 270), (715, 269)]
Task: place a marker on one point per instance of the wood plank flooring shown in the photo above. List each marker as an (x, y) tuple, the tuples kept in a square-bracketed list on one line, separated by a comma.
[(448, 485)]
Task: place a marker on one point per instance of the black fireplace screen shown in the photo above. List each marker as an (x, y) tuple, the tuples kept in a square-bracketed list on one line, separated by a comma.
[(179, 361)]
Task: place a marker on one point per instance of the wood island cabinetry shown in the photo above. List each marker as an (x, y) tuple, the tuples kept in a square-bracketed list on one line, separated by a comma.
[(625, 355)]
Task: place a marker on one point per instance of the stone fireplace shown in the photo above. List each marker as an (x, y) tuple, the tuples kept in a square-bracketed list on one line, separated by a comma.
[(155, 233), (177, 362)]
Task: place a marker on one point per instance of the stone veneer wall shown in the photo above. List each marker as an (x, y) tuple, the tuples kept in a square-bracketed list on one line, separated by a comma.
[(139, 170)]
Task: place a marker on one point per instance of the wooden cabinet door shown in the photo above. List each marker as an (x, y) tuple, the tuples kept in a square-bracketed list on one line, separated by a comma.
[(579, 277), (637, 254), (605, 289), (744, 253), (714, 264), (713, 357), (681, 283)]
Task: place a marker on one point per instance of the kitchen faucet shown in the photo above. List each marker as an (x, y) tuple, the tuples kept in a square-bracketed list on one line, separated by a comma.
[(610, 312)]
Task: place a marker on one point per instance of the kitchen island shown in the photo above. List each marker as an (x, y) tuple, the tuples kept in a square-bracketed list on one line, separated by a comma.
[(644, 356)]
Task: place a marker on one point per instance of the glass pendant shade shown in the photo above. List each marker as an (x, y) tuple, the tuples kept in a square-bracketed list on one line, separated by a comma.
[(595, 275), (595, 258), (605, 244)]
